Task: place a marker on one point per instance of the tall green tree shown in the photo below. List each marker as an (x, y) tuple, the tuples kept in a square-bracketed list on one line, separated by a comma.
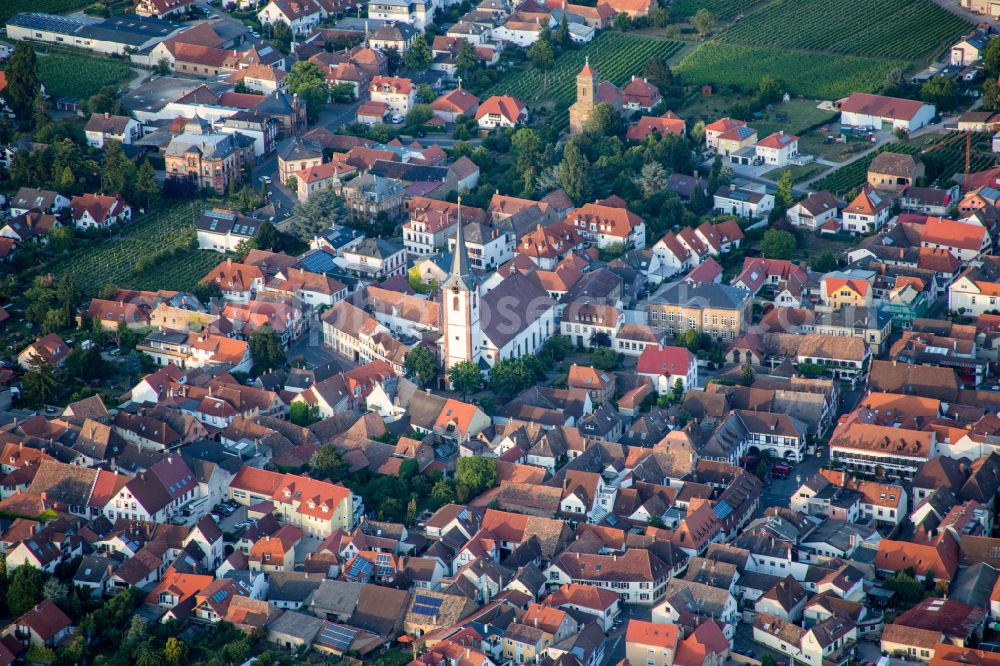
[(25, 589), (542, 56), (465, 59), (465, 378), (777, 244), (418, 57), (652, 179), (328, 463), (422, 364), (509, 377), (266, 349), (39, 384), (175, 651), (574, 174), (785, 194), (527, 147), (41, 111), (703, 21), (268, 237), (322, 210), (118, 172), (564, 38), (303, 414), (146, 189), (308, 81), (991, 58), (770, 89), (604, 120), (69, 296), (940, 91), (22, 81), (476, 473)]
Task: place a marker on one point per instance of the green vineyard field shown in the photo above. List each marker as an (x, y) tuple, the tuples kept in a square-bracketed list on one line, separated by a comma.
[(80, 76), (894, 29), (809, 74), (616, 57), (114, 260)]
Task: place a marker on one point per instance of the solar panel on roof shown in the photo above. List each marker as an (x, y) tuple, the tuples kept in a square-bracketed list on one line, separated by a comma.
[(425, 610), (220, 595), (337, 636), (361, 567), (428, 601), (721, 510)]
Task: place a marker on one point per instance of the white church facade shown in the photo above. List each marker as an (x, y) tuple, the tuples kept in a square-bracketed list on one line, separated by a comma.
[(512, 319)]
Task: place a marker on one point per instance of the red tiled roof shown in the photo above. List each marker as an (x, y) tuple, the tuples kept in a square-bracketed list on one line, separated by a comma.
[(656, 360)]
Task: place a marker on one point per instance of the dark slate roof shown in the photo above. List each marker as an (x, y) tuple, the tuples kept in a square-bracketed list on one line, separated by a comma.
[(700, 295), (518, 295)]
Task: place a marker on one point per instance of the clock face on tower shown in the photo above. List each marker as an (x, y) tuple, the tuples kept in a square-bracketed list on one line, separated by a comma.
[(455, 289)]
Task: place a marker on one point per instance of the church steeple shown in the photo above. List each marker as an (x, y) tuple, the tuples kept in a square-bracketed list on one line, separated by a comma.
[(460, 262), (461, 276), (462, 336)]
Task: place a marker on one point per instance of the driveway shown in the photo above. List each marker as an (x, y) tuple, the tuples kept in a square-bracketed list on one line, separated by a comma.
[(778, 492), (310, 346), (228, 523)]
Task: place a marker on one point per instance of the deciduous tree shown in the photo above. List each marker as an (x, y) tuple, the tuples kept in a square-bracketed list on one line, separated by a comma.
[(22, 81), (703, 21), (422, 364), (418, 57), (266, 349), (509, 377), (777, 244), (465, 378), (476, 473), (574, 173)]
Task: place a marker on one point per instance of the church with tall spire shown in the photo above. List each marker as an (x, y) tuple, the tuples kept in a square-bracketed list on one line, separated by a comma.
[(485, 322), (462, 335)]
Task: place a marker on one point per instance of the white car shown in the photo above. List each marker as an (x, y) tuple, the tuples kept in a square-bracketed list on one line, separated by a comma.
[(397, 119)]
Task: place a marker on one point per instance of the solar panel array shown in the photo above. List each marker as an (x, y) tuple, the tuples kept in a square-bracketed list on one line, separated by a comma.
[(425, 605), (360, 567), (337, 636)]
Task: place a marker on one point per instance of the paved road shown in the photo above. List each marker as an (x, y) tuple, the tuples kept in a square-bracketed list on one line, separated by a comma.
[(310, 346), (332, 118), (778, 491)]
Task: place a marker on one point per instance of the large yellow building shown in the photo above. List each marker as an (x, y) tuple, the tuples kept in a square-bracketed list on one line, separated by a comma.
[(722, 311)]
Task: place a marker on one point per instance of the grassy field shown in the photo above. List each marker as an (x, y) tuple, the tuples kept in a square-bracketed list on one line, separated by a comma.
[(895, 29), (799, 173), (813, 75), (79, 75), (616, 56), (165, 229), (800, 116)]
